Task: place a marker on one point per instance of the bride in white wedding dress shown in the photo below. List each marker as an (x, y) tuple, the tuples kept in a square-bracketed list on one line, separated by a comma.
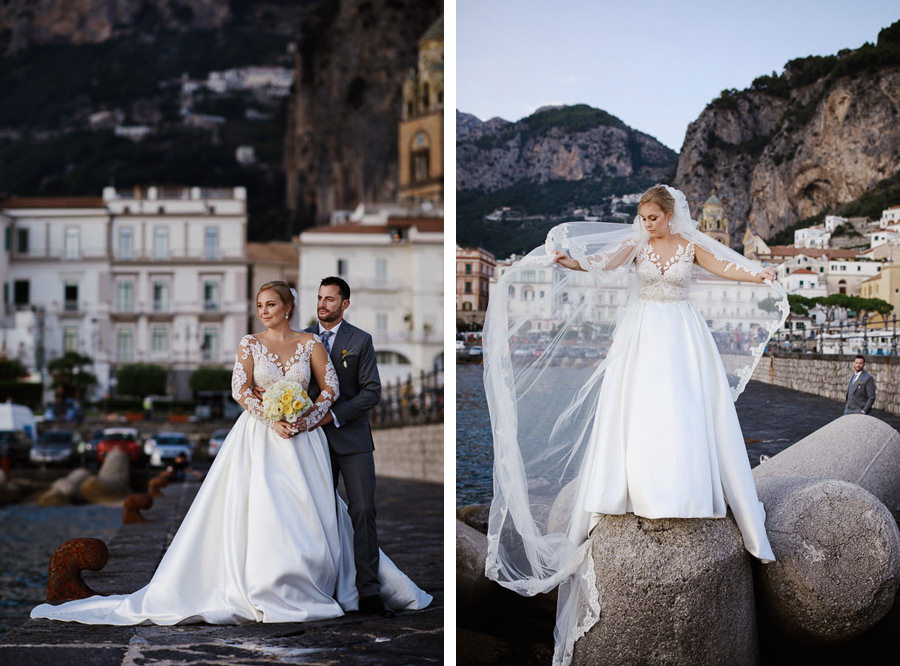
[(267, 538), (650, 429)]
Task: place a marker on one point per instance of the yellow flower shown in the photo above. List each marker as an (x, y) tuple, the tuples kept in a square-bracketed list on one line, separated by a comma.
[(298, 405), (277, 410), (288, 410), (286, 398)]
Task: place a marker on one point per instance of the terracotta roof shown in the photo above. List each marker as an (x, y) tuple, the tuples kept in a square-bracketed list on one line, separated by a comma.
[(276, 251), (803, 271), (791, 251), (873, 278), (54, 202), (420, 223)]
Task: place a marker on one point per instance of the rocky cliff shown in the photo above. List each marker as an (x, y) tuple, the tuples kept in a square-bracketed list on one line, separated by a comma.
[(801, 143), (25, 23), (570, 143), (341, 140)]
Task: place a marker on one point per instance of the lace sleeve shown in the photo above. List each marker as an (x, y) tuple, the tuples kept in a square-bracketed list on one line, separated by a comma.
[(242, 381), (728, 269), (607, 261), (326, 378)]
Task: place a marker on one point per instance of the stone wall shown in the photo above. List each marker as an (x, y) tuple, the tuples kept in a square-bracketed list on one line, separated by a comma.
[(827, 375), (412, 452)]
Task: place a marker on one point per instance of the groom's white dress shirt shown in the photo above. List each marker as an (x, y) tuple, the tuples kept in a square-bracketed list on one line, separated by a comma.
[(328, 345)]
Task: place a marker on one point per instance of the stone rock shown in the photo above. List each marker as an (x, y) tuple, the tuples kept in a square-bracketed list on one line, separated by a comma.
[(475, 515), (471, 552), (837, 551), (70, 484), (672, 591), (856, 448), (68, 561), (115, 472)]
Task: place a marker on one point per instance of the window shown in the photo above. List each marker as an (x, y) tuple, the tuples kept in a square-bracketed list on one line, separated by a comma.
[(210, 295), (160, 296), (160, 339), (381, 324), (466, 306), (468, 269), (71, 248), (342, 268), (126, 243), (211, 244), (511, 292), (421, 146), (468, 287), (70, 339), (125, 345), (22, 241), (70, 297), (161, 244), (21, 292), (381, 271), (210, 345), (125, 296)]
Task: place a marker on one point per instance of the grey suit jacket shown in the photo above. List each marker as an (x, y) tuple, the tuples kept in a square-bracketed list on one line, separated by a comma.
[(860, 394), (353, 356)]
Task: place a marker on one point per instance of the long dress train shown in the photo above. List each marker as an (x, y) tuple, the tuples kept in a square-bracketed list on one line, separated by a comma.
[(267, 539)]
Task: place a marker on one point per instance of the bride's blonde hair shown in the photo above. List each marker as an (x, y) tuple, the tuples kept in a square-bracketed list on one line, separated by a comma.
[(283, 289), (659, 195)]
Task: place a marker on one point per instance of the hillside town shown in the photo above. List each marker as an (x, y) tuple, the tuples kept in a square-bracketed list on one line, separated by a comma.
[(855, 257)]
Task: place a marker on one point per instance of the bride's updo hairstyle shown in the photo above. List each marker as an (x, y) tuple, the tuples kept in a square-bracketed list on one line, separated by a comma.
[(659, 195), (283, 289)]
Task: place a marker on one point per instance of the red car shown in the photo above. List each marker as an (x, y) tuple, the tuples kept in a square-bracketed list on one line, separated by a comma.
[(125, 439)]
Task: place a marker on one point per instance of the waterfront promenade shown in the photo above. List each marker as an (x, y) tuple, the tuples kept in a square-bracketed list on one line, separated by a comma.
[(410, 529)]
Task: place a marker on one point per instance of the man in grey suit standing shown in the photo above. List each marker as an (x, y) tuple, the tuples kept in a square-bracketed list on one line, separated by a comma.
[(861, 390), (347, 430)]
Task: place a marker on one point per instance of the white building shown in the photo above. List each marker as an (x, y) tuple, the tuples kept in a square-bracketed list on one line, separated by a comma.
[(394, 268), (154, 276), (805, 282), (812, 237), (890, 217), (877, 238), (832, 222)]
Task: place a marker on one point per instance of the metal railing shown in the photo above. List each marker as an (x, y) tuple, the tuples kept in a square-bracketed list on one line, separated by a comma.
[(413, 401), (868, 336)]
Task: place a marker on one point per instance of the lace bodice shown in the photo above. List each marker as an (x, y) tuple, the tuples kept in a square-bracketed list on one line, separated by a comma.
[(665, 281), (257, 365)]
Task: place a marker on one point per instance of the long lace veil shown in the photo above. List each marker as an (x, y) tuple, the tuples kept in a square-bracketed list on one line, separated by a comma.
[(546, 333)]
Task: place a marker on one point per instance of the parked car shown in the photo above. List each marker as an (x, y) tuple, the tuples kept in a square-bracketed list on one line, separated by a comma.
[(460, 345), (18, 418), (215, 442), (56, 446), (475, 351), (14, 447), (165, 446), (125, 439)]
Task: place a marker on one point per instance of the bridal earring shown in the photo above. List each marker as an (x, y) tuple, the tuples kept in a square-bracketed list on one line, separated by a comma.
[(286, 315)]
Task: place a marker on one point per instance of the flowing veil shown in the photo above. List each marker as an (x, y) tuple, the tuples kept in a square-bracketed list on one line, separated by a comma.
[(546, 333)]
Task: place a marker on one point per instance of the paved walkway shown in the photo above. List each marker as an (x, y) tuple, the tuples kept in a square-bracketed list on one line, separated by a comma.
[(410, 527)]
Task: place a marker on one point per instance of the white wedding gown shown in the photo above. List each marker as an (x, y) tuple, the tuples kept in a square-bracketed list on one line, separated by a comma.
[(267, 538), (666, 441)]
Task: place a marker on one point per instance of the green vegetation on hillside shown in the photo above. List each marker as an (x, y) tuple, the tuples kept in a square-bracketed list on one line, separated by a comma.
[(801, 72)]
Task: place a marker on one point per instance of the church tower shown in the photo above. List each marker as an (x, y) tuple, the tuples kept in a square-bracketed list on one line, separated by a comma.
[(421, 129), (713, 222)]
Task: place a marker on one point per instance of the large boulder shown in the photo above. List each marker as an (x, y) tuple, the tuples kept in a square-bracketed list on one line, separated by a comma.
[(837, 550), (856, 448), (110, 486), (672, 591)]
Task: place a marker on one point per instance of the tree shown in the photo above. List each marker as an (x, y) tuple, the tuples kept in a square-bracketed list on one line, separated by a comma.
[(70, 377), (768, 304), (210, 379), (800, 305), (140, 379), (12, 369)]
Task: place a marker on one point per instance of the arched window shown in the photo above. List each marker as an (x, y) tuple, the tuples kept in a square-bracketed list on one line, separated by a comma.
[(419, 157)]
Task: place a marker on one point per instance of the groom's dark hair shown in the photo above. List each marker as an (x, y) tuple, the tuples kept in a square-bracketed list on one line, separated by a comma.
[(342, 286)]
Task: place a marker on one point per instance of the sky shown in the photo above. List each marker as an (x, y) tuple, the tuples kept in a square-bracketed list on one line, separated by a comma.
[(655, 64)]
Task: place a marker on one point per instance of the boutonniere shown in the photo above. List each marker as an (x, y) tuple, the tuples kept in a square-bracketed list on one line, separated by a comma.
[(344, 354)]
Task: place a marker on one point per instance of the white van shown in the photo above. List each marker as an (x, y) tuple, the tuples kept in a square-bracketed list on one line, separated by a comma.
[(18, 418)]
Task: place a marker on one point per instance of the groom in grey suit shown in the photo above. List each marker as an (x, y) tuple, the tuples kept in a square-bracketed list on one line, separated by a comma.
[(861, 390), (347, 430)]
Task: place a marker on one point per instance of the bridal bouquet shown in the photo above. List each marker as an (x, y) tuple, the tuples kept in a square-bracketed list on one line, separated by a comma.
[(285, 401)]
